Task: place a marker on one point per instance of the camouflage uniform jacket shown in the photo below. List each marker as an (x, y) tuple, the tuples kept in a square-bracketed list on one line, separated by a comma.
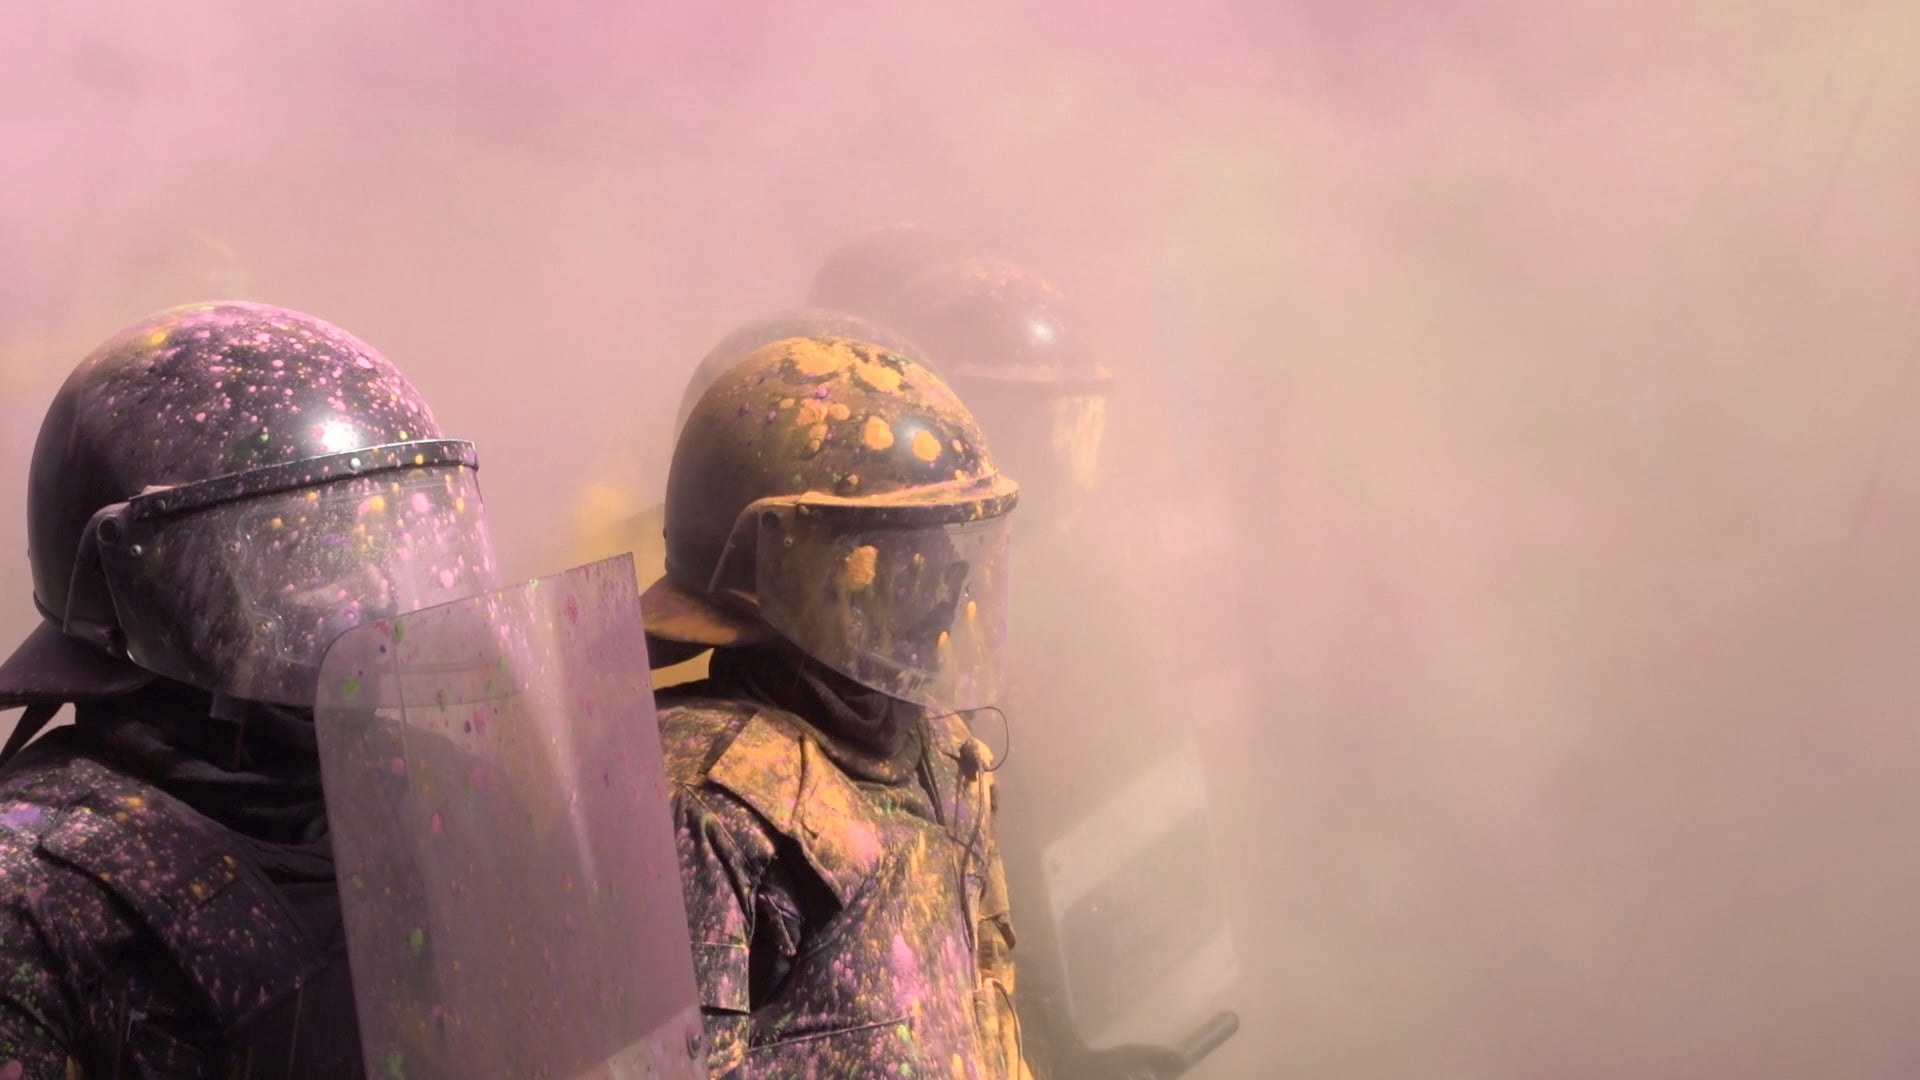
[(840, 928), (138, 940)]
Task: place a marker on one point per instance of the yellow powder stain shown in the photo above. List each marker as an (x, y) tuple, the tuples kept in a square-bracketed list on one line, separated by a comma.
[(816, 438), (838, 411), (926, 446), (973, 610), (853, 480), (944, 640), (878, 434), (877, 377), (135, 801), (856, 572), (816, 358), (157, 338), (810, 413)]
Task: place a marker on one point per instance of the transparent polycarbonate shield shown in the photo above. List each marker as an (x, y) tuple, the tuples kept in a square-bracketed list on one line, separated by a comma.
[(1137, 910), (501, 831)]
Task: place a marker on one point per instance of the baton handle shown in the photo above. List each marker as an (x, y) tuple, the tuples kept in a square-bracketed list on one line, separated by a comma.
[(1208, 1037)]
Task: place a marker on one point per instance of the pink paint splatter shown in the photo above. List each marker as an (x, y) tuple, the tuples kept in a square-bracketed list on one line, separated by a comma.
[(910, 982)]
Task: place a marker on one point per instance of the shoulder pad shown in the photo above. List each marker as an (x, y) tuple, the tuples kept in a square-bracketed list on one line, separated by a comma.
[(178, 873), (779, 771), (695, 730)]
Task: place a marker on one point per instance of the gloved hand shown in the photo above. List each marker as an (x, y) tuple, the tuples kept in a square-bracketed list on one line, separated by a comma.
[(1130, 1062)]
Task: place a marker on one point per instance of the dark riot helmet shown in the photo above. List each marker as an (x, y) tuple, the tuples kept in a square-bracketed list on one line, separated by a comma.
[(1006, 340), (218, 492), (868, 273)]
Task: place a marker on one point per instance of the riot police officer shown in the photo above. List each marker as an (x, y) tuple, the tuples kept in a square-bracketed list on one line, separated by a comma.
[(837, 534), (216, 494), (606, 524)]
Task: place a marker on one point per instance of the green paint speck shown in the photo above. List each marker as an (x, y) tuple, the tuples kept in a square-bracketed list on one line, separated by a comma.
[(396, 1066), (417, 941), (351, 688)]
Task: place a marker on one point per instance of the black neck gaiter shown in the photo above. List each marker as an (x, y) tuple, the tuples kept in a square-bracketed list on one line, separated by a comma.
[(869, 734), (254, 769)]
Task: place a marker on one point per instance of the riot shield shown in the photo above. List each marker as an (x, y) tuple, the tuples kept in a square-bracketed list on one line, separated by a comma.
[(506, 858), (1133, 896), (1113, 867)]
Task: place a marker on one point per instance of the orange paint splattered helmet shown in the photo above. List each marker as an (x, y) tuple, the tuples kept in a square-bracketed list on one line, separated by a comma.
[(798, 322), (839, 495)]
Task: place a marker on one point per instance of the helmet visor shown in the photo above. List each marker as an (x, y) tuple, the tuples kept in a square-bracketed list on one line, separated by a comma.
[(913, 605), (243, 595)]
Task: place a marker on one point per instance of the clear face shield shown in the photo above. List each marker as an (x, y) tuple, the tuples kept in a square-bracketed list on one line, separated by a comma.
[(907, 596), (240, 583)]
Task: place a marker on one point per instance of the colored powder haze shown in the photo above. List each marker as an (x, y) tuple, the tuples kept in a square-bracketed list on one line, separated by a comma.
[(1529, 388)]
